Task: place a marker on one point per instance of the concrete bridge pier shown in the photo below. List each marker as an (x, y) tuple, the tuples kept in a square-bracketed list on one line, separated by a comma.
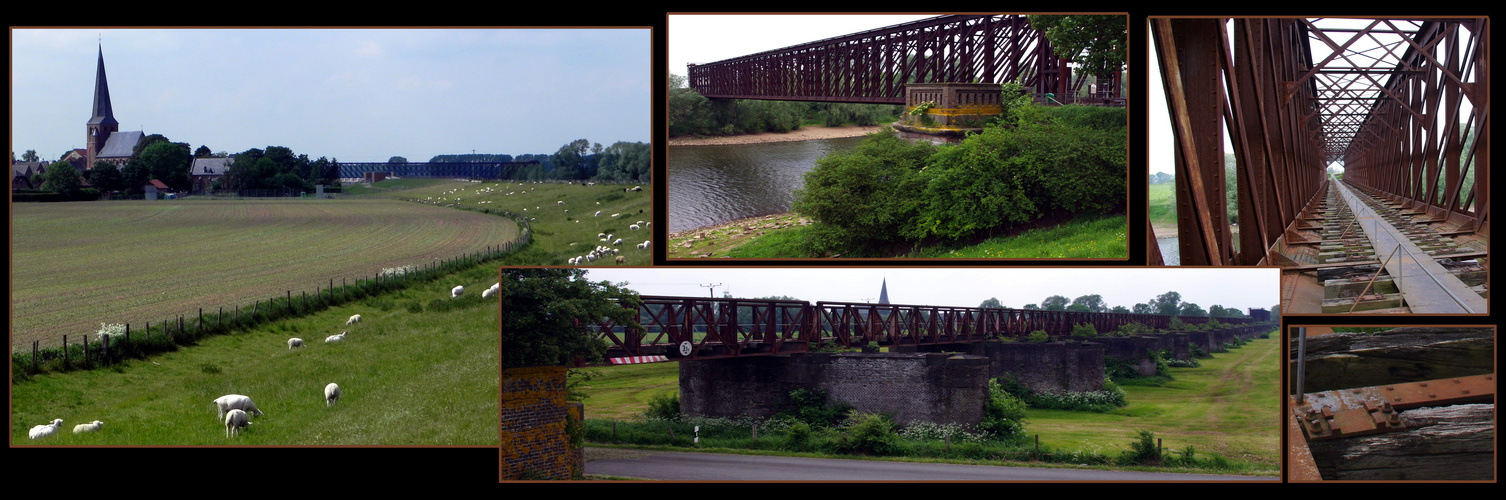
[(946, 112)]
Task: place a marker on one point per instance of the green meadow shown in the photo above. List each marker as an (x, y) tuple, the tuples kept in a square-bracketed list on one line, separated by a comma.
[(420, 368)]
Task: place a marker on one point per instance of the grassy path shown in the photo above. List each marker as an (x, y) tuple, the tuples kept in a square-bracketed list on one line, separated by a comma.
[(1229, 406)]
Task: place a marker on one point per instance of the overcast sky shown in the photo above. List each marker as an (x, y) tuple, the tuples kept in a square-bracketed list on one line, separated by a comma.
[(1241, 288), (351, 94), (709, 38)]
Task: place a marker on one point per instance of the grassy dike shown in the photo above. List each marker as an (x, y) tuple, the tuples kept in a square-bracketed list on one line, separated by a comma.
[(419, 369), (1229, 407), (778, 236)]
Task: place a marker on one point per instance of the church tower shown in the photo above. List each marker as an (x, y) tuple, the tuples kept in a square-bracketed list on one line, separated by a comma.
[(884, 292), (103, 123)]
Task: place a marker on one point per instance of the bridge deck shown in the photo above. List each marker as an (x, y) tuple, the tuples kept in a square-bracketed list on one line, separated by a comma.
[(1426, 286)]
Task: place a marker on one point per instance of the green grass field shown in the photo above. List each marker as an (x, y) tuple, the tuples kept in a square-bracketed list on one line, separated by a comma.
[(407, 378), (76, 265), (556, 236), (1086, 237), (1163, 204)]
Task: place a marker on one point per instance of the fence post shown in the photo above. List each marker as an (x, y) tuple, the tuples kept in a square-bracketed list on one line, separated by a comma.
[(34, 345), (106, 352), (201, 320), (86, 352), (65, 352)]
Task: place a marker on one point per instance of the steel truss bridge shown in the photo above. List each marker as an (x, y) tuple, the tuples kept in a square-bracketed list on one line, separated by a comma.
[(687, 328), (1391, 99), (467, 170), (873, 66)]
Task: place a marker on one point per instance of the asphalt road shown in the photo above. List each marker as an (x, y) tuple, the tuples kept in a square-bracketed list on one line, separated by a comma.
[(676, 466)]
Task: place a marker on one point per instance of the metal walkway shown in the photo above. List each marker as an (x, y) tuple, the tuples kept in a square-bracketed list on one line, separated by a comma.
[(1425, 285)]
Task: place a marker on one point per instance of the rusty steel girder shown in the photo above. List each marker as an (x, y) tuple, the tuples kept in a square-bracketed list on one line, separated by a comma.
[(873, 66), (1387, 98), (686, 328)]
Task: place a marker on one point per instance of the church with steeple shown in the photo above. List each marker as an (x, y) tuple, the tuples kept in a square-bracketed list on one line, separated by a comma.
[(105, 140)]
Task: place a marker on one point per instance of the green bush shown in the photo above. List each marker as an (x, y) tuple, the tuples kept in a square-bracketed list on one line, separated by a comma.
[(664, 407), (1003, 413), (1084, 330), (797, 436), (812, 408), (1143, 450), (871, 434), (1038, 336)]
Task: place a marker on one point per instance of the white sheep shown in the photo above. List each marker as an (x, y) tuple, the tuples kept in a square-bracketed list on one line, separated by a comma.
[(234, 420), (455, 292), (618, 242), (488, 293), (634, 227), (294, 342), (45, 430), (356, 318), (89, 427), (335, 338), (331, 393), (598, 212), (561, 202), (235, 402)]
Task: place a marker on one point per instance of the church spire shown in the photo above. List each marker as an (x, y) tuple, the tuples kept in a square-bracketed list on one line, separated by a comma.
[(103, 114), (884, 292)]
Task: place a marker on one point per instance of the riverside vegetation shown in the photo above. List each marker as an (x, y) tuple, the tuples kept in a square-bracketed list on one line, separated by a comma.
[(1209, 418)]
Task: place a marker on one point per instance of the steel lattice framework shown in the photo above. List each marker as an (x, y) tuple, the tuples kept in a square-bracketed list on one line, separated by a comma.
[(873, 66), (1387, 98), (715, 328)]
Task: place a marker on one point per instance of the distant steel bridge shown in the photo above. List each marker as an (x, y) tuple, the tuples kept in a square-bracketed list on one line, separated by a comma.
[(467, 170)]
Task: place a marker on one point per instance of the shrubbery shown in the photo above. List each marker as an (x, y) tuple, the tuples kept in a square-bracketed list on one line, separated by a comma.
[(1053, 160)]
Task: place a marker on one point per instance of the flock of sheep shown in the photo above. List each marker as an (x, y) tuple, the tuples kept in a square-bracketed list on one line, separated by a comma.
[(236, 410)]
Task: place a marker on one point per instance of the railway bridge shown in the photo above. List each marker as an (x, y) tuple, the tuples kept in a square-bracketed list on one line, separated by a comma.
[(743, 356), (1397, 103)]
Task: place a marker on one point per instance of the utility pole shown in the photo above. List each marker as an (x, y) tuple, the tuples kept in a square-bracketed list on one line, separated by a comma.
[(713, 289)]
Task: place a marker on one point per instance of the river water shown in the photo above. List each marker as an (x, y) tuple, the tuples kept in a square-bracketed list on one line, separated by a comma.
[(714, 184)]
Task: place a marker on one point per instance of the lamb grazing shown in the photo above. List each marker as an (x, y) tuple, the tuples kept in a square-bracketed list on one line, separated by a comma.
[(335, 338), (643, 246), (455, 292), (294, 342), (89, 427), (235, 402), (634, 227), (561, 202), (620, 259), (617, 243), (45, 430), (356, 318), (488, 293), (234, 420), (331, 393)]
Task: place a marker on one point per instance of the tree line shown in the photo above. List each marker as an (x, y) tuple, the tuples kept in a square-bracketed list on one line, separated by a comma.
[(691, 113), (1166, 304)]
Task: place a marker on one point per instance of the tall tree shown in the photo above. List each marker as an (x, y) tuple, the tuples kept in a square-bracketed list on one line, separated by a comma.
[(550, 306), (1192, 310), (1168, 304), (168, 162), (992, 303), (1055, 303), (105, 177), (30, 156), (1091, 303), (1143, 308), (570, 160), (62, 178), (203, 152), (1096, 43)]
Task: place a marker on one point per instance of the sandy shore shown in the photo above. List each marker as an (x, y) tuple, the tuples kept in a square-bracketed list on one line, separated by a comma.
[(800, 134)]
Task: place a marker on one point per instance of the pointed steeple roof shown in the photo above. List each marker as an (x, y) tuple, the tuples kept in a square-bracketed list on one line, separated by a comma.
[(103, 114), (884, 292)]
